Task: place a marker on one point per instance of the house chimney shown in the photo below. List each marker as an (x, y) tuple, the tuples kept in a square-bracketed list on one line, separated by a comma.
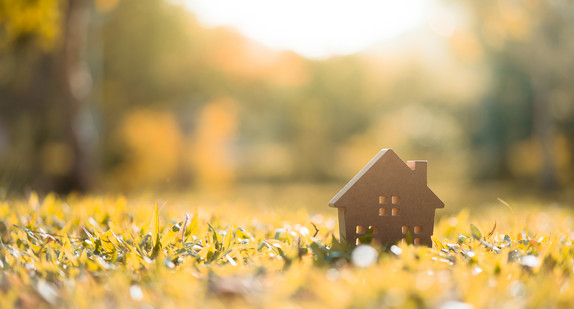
[(420, 169)]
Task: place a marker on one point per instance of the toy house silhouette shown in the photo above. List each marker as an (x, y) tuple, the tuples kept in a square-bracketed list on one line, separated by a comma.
[(389, 200)]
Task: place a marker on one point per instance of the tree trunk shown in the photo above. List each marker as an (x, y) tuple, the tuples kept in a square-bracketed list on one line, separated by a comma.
[(75, 84)]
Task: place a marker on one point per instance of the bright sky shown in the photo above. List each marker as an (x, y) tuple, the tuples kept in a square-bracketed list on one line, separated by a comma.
[(314, 28)]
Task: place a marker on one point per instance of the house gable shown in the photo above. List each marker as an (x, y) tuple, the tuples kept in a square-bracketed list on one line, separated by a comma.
[(367, 174), (386, 171)]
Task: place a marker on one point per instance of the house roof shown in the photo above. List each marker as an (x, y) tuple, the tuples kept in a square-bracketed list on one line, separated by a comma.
[(366, 168)]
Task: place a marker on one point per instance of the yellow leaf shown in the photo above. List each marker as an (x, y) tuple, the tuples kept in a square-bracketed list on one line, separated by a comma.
[(227, 239), (155, 226)]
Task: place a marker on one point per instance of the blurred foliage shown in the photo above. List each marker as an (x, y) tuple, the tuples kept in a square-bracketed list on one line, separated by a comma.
[(527, 110), (127, 95), (116, 252), (29, 23)]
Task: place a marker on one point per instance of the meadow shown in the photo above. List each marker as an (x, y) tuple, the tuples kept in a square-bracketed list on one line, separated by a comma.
[(115, 252), (187, 141)]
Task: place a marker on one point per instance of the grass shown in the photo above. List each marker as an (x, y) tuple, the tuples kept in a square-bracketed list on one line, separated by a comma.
[(113, 252)]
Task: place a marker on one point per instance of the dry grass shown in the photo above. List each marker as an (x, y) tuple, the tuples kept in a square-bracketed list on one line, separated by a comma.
[(114, 252)]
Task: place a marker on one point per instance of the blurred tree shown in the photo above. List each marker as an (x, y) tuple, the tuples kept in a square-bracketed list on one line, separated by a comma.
[(46, 89), (75, 83), (156, 62), (211, 148), (528, 47), (153, 149), (28, 31)]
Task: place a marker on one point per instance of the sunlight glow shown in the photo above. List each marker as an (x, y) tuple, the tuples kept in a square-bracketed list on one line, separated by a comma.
[(313, 28)]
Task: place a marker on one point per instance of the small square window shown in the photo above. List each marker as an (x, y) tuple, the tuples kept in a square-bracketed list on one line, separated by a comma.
[(405, 229), (395, 212), (382, 199), (373, 229), (417, 241), (395, 199), (360, 229), (418, 229), (383, 212)]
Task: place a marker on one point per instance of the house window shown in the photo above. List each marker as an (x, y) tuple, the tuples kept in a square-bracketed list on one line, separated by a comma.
[(418, 229), (395, 200), (373, 229), (405, 229), (382, 199), (394, 212), (360, 229), (383, 212), (417, 241)]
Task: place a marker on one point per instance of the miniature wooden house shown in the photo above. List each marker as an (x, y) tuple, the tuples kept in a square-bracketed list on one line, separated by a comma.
[(389, 200)]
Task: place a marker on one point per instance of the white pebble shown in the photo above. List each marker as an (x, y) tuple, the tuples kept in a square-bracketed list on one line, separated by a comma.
[(136, 292), (529, 261), (364, 256)]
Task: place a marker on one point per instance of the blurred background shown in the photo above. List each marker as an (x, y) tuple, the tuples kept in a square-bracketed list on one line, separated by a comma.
[(126, 95)]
